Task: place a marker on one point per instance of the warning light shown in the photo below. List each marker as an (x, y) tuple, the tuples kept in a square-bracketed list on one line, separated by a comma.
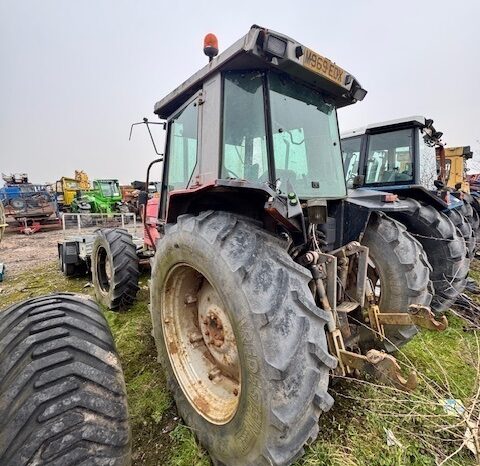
[(390, 197), (210, 46)]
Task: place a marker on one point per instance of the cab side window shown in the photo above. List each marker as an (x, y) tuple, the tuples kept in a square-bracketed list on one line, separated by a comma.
[(244, 134), (351, 158), (390, 157), (182, 147)]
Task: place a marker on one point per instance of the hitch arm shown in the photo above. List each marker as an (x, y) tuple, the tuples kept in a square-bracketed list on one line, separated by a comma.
[(418, 315), (381, 366)]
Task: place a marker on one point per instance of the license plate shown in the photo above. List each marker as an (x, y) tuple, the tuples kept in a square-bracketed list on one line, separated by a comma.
[(323, 66)]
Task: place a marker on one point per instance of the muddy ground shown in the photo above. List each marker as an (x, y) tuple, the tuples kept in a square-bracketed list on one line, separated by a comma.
[(19, 252)]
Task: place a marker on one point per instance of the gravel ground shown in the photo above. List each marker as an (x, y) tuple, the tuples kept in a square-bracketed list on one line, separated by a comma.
[(20, 252)]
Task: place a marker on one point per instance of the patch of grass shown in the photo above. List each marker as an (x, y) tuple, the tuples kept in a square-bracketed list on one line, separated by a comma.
[(148, 398), (354, 431), (39, 281), (446, 358), (186, 451), (150, 405)]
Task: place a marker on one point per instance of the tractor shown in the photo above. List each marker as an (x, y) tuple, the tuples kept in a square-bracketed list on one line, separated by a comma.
[(268, 276), (104, 198), (452, 172), (400, 155), (66, 190), (455, 170)]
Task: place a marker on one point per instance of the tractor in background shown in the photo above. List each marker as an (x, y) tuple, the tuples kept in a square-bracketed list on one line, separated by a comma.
[(105, 197), (452, 167), (452, 173), (267, 275), (66, 190), (400, 155)]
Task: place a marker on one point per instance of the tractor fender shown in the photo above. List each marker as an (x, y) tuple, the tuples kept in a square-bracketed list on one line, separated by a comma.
[(254, 200), (421, 194), (360, 204)]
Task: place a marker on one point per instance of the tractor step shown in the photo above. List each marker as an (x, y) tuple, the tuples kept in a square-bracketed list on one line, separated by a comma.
[(347, 306)]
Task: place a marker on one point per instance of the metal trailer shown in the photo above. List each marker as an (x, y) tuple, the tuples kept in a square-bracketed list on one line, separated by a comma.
[(80, 232)]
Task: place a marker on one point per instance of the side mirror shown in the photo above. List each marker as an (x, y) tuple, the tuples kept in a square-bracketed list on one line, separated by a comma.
[(358, 181)]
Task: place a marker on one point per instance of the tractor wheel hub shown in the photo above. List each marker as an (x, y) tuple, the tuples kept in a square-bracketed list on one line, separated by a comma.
[(217, 330)]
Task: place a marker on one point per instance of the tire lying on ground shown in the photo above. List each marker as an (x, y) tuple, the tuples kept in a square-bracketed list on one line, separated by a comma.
[(445, 249), (241, 339), (115, 269), (400, 273), (465, 228), (62, 393)]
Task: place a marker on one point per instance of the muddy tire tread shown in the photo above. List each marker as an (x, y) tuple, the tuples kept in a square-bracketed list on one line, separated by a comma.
[(411, 262), (445, 249), (125, 273), (62, 393)]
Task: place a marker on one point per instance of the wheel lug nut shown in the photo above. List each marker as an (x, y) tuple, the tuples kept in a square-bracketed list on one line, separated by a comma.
[(195, 336), (189, 299), (215, 372)]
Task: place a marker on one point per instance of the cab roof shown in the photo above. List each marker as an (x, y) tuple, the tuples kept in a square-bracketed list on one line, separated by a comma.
[(255, 51), (415, 120)]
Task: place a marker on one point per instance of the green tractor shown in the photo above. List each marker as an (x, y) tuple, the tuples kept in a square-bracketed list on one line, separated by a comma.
[(104, 198)]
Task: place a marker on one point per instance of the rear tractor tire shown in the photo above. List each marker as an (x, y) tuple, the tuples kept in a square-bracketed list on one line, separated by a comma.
[(445, 249), (241, 340), (62, 393), (115, 269), (400, 274)]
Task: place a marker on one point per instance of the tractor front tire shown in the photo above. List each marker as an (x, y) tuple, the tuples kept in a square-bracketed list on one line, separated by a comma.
[(400, 273), (115, 269), (62, 393), (241, 339), (445, 249)]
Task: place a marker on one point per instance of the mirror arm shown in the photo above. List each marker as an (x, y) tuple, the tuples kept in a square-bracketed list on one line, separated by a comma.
[(147, 124)]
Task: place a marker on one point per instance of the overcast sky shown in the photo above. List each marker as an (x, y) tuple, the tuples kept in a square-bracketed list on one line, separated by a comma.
[(75, 74)]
